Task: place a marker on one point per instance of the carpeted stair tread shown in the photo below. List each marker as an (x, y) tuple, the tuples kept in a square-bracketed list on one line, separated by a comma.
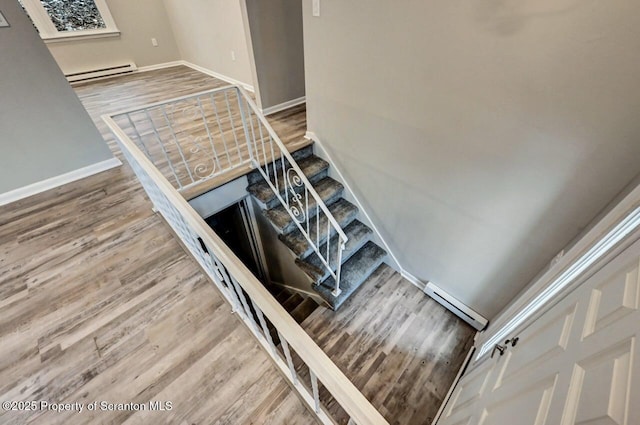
[(329, 191), (311, 166), (343, 211), (304, 309), (358, 234), (300, 154), (354, 273)]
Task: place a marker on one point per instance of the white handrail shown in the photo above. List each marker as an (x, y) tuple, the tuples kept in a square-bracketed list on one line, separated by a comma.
[(293, 163), (185, 122), (180, 214)]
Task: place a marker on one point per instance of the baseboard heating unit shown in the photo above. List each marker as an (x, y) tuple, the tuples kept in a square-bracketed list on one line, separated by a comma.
[(456, 307), (101, 72)]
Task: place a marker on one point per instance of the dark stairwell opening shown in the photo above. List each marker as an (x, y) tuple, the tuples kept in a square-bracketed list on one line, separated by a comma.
[(233, 226)]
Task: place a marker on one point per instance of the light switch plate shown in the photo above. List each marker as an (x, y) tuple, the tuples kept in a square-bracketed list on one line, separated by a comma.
[(3, 21), (315, 6)]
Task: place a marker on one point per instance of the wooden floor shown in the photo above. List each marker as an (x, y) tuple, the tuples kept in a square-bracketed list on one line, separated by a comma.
[(98, 302), (189, 150), (398, 346)]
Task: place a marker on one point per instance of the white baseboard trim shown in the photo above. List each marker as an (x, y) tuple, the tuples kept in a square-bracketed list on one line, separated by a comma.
[(160, 66), (285, 105), (218, 75), (53, 182), (312, 136), (412, 279)]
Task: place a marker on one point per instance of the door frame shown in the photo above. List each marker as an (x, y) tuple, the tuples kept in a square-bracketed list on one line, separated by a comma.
[(600, 226)]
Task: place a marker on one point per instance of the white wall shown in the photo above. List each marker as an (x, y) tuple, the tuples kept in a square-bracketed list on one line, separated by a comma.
[(483, 135), (138, 22), (45, 130), (207, 31), (277, 42)]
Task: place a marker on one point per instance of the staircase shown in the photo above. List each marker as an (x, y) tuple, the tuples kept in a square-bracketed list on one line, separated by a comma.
[(361, 256)]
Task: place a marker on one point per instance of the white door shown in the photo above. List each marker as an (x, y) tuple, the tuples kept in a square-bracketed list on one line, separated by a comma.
[(577, 364)]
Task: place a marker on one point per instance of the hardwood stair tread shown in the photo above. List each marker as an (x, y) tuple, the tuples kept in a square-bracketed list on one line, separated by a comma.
[(328, 189), (354, 272), (292, 302), (358, 234), (304, 310)]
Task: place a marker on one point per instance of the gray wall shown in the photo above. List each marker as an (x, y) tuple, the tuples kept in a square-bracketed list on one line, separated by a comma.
[(138, 22), (207, 31), (277, 42), (45, 130), (482, 136)]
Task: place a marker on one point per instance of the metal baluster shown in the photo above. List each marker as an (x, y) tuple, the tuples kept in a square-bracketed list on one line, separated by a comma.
[(135, 129), (175, 138), (206, 126), (245, 129), (317, 228), (287, 355), (284, 178), (341, 248), (316, 395), (229, 286), (253, 135), (264, 150), (233, 127), (306, 211), (273, 162), (265, 328), (224, 140), (243, 300), (328, 238), (166, 155)]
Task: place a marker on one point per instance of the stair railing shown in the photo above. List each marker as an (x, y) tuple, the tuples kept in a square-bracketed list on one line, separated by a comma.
[(297, 356), (292, 188), (196, 138)]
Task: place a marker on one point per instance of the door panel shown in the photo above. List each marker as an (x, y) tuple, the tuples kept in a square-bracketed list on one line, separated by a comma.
[(531, 404), (576, 365), (613, 299), (471, 390), (542, 344)]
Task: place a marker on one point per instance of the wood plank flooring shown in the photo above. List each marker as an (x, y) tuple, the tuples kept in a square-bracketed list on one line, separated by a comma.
[(98, 302), (188, 149), (398, 346)]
